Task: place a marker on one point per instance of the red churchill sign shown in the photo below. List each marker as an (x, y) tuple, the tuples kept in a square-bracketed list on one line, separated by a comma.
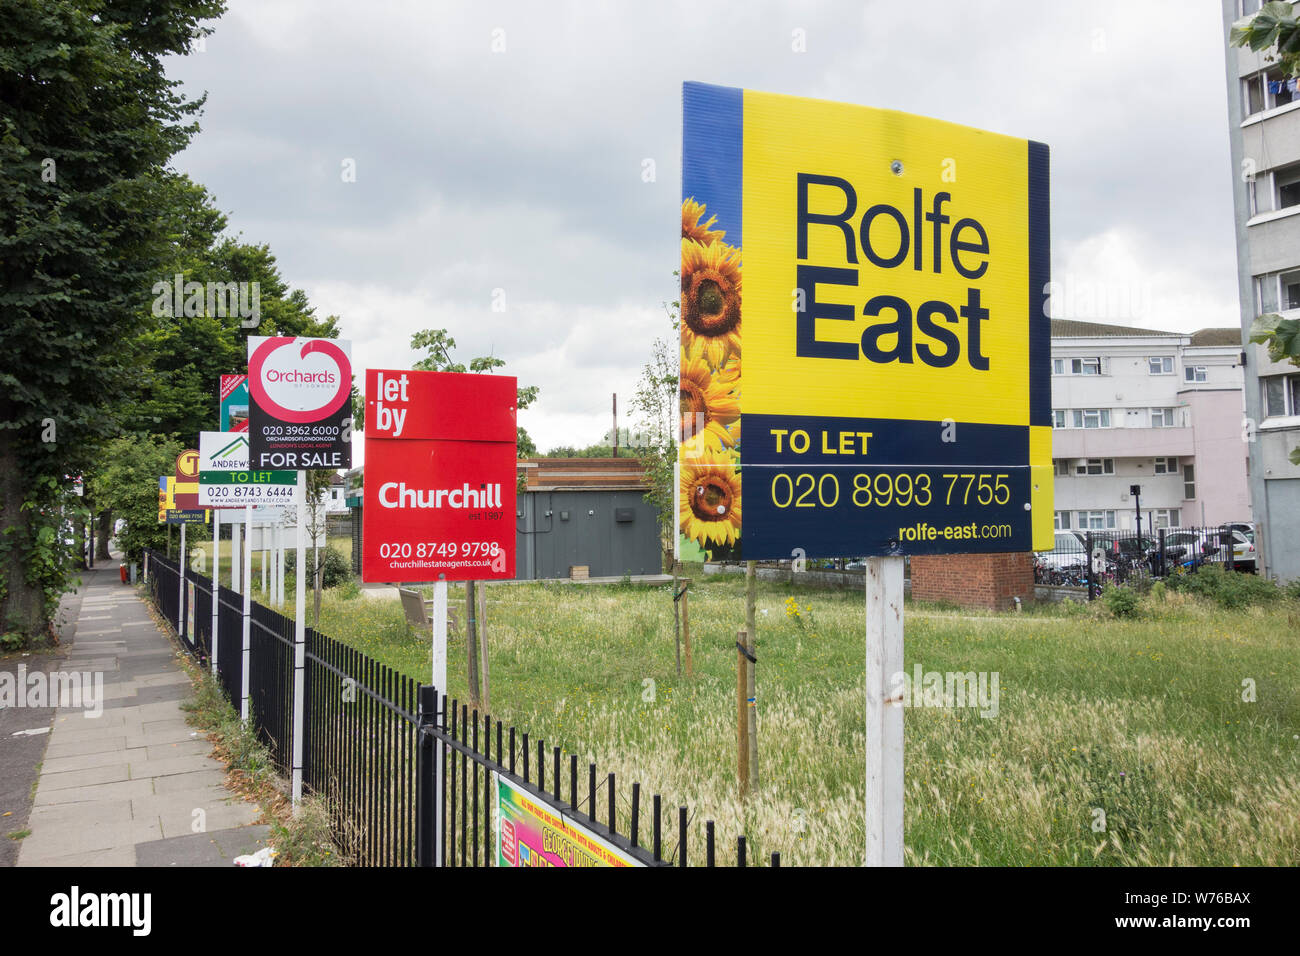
[(440, 477)]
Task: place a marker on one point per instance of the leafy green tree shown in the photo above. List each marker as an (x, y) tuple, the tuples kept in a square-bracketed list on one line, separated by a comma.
[(88, 123), (181, 358), (126, 483), (657, 402), (1276, 29), (439, 344)]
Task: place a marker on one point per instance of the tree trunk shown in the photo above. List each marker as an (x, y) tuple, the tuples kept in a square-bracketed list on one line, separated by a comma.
[(22, 606), (105, 532), (80, 538)]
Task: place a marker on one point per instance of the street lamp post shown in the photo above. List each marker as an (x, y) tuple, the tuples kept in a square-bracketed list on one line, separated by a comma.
[(1136, 492)]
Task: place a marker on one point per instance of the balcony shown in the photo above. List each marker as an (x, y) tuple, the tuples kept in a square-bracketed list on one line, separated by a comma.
[(1121, 442)]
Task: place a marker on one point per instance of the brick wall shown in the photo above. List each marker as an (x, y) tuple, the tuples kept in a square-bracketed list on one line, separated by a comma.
[(974, 580)]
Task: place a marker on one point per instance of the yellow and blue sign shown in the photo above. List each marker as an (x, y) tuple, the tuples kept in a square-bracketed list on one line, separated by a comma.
[(866, 291)]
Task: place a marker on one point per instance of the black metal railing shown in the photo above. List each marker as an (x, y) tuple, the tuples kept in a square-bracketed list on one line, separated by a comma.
[(1130, 558), (468, 773), (377, 746)]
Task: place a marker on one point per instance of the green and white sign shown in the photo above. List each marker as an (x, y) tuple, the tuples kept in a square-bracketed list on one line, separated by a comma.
[(226, 481)]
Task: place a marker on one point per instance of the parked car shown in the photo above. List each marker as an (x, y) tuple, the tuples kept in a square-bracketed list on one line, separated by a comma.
[(1067, 552), (1207, 546), (1245, 527)]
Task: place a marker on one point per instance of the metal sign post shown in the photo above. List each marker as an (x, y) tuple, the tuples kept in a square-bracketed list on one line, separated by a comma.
[(246, 588), (248, 614), (439, 678), (299, 637), (180, 585), (884, 817), (216, 583)]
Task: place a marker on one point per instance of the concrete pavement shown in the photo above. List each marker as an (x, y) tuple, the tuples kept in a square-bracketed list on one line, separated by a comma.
[(125, 781)]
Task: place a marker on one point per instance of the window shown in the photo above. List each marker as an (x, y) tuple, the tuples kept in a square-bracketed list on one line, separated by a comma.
[(1058, 418), (1096, 520), (1166, 466), (1061, 466), (1249, 7), (1253, 94), (1165, 518), (1266, 294), (1062, 521), (1189, 481), (1092, 418), (1290, 283), (1095, 466), (1258, 95), (1283, 94), (1085, 366), (1162, 418), (1281, 396), (1058, 366), (1194, 373), (1161, 364), (1288, 187)]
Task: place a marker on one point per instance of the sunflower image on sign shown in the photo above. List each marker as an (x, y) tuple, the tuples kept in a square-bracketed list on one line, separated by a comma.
[(709, 386), (709, 498)]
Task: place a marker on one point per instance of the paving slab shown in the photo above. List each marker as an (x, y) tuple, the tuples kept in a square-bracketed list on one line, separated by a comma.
[(203, 849), (108, 773)]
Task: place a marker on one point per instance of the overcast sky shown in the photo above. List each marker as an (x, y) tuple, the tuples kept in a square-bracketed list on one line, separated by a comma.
[(521, 169)]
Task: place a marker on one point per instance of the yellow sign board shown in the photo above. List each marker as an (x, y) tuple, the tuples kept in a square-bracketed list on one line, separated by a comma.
[(166, 497), (865, 290)]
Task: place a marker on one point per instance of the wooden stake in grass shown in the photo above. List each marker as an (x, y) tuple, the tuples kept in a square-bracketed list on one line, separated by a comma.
[(751, 710), (686, 629), (677, 621), (742, 717), (751, 588)]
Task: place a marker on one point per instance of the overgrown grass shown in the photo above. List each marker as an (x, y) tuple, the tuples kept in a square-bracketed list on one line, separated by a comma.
[(1141, 718), (300, 838)]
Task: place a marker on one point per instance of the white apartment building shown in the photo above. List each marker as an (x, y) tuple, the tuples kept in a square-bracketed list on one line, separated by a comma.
[(1161, 410), (1264, 134), (334, 497)]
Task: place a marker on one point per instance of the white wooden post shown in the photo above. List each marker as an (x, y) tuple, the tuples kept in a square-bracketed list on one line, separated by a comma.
[(216, 583), (275, 563), (266, 530), (884, 791), (439, 678), (248, 616), (279, 562), (236, 579), (299, 637)]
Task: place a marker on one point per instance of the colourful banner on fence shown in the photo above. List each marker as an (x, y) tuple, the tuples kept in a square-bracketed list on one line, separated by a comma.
[(530, 833)]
